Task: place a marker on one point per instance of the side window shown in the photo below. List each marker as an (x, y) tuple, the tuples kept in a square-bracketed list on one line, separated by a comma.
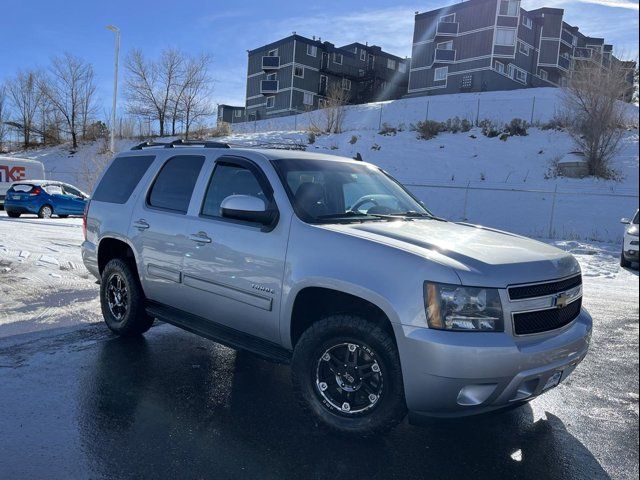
[(229, 180), (121, 178), (174, 184), (71, 191)]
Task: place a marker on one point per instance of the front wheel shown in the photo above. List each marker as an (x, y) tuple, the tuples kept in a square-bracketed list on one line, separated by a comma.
[(13, 214), (624, 263), (122, 300), (346, 372)]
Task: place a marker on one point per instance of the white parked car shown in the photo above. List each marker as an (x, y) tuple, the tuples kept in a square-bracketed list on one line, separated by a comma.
[(14, 169), (629, 253)]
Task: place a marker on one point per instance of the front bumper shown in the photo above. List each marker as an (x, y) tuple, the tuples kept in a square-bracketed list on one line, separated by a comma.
[(630, 248), (456, 374)]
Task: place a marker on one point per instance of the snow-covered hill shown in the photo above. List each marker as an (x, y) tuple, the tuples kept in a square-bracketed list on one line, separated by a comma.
[(464, 176)]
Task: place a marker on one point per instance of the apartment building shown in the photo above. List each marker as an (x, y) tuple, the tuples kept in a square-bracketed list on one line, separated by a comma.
[(231, 114), (295, 74), (484, 45)]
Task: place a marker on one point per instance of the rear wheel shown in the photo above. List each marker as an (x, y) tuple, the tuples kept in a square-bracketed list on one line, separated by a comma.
[(122, 300), (13, 214), (45, 211), (346, 372)]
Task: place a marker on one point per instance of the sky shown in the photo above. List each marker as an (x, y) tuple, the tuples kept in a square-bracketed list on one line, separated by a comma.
[(32, 31)]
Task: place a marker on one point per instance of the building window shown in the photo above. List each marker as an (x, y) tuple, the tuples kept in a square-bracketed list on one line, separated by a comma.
[(445, 45), (271, 76), (527, 22), (440, 74), (523, 48), (307, 98), (402, 67), (346, 84), (298, 71), (312, 50), (510, 8), (544, 75), (363, 55), (505, 37), (391, 64), (337, 58), (517, 74), (360, 72), (273, 53), (237, 113), (271, 102), (451, 18), (499, 67)]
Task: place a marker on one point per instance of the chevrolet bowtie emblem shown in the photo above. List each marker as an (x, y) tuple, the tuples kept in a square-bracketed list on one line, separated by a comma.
[(562, 300)]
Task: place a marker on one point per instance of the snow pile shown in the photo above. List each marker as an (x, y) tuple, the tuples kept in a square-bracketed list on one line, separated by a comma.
[(535, 105)]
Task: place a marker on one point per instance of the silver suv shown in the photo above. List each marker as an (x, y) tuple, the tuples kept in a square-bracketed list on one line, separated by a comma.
[(333, 266)]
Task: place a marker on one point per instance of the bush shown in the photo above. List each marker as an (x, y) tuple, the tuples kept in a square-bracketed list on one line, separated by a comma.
[(387, 130), (311, 138), (428, 129), (556, 123), (517, 127), (222, 130), (489, 128), (455, 125), (353, 139)]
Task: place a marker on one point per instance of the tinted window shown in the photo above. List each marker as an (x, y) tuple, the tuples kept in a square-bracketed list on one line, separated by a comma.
[(230, 180), (173, 188), (121, 179)]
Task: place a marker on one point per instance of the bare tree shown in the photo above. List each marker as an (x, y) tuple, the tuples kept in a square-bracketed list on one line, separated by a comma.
[(149, 85), (194, 102), (333, 110), (69, 88), (25, 95), (3, 116), (595, 112)]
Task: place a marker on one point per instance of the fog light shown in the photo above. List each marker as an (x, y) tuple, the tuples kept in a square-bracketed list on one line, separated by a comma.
[(475, 394)]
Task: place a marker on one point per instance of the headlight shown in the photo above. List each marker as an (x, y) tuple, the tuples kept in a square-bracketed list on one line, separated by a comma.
[(454, 307), (633, 230)]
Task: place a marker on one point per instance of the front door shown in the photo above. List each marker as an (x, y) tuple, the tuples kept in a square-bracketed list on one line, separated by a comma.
[(159, 225), (235, 279)]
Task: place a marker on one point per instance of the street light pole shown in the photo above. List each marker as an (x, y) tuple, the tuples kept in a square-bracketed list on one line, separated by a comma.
[(115, 30)]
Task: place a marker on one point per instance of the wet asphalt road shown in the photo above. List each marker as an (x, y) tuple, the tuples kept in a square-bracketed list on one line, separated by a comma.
[(84, 404)]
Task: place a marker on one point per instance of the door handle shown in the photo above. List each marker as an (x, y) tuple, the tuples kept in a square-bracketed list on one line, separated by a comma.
[(141, 224), (200, 237)]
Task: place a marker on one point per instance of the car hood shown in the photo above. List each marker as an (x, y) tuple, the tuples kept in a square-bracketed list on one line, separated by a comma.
[(480, 256)]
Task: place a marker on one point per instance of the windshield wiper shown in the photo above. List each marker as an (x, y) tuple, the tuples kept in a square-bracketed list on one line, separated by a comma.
[(414, 214), (347, 214)]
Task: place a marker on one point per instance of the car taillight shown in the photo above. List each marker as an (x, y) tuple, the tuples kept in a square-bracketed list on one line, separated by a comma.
[(84, 220), (35, 191)]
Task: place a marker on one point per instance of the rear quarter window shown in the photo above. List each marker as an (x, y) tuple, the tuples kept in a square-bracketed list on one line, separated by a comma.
[(121, 178)]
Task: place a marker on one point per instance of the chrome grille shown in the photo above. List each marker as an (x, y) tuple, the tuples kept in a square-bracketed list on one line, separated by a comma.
[(543, 289)]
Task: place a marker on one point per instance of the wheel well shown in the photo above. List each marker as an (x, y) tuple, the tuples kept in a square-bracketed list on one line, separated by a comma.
[(111, 248), (314, 303)]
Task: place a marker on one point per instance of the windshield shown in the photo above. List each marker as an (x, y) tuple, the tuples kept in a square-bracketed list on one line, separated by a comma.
[(635, 219), (324, 191)]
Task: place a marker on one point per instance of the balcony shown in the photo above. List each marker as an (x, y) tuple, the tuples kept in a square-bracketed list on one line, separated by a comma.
[(444, 56), (447, 28), (270, 63), (583, 53), (567, 37), (564, 62), (268, 87)]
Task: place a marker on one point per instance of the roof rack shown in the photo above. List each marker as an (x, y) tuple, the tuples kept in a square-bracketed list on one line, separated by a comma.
[(273, 145), (181, 142)]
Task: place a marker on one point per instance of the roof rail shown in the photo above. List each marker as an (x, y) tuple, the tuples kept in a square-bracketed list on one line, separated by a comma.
[(273, 145), (181, 142)]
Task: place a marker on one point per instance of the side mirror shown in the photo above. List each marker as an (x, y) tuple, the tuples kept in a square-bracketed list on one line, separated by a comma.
[(625, 221), (246, 208)]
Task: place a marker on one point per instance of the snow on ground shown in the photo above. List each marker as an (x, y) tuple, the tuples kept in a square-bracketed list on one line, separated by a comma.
[(43, 282), (45, 287)]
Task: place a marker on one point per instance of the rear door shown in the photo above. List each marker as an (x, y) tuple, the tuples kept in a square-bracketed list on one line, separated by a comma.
[(234, 276), (159, 228)]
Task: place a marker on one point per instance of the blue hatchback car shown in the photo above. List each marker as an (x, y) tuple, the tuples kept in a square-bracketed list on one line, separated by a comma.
[(44, 198)]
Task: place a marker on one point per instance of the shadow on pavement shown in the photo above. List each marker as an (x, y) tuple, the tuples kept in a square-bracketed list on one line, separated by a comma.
[(173, 405)]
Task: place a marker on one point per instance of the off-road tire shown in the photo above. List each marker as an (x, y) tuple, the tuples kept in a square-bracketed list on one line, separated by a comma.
[(624, 263), (134, 320), (390, 408)]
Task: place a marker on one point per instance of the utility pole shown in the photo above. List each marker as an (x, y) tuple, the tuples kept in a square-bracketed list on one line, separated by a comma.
[(115, 30)]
